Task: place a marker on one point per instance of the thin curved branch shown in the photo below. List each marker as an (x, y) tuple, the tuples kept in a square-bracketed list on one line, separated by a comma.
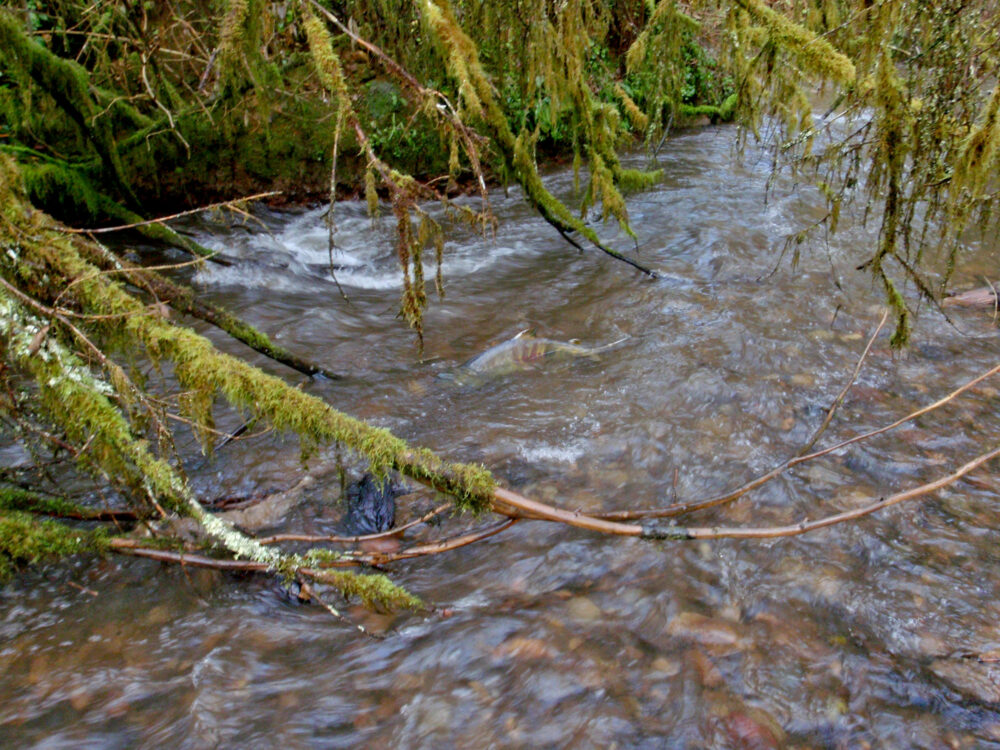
[(135, 549), (434, 548), (276, 538), (515, 505), (840, 397), (162, 219), (679, 508), (767, 532)]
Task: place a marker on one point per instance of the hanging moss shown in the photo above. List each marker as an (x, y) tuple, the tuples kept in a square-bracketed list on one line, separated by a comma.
[(326, 63), (813, 53), (978, 155), (517, 151), (240, 62)]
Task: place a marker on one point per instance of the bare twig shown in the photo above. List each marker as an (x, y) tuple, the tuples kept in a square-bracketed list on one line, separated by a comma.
[(850, 515), (162, 219), (679, 508), (840, 397), (434, 548), (276, 538), (84, 589), (996, 299), (515, 505)]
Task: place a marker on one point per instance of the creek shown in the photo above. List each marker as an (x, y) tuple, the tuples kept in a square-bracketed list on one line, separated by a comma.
[(878, 633)]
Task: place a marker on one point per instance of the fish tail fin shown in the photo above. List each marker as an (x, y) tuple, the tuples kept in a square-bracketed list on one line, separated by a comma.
[(612, 345)]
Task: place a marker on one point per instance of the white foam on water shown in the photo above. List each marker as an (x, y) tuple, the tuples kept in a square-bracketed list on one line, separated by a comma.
[(364, 256), (544, 453)]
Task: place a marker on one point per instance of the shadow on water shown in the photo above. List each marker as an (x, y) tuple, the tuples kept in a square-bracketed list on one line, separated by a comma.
[(879, 633)]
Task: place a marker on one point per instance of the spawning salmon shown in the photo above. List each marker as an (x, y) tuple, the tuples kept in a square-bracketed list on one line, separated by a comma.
[(521, 352)]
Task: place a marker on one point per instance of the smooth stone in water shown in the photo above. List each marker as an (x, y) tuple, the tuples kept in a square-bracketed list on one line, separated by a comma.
[(704, 630), (747, 733), (583, 609), (665, 666)]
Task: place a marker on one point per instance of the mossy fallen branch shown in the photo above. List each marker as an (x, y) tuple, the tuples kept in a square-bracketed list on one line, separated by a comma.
[(184, 299), (204, 370), (26, 540), (68, 389), (19, 499)]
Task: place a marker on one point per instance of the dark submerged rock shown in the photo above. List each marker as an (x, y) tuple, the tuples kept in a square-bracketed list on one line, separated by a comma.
[(371, 505)]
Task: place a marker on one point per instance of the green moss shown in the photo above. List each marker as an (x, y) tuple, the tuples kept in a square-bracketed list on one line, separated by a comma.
[(901, 336), (67, 83), (815, 54), (704, 110), (25, 539), (15, 498), (62, 191), (635, 179), (238, 44), (375, 590), (728, 108), (319, 557)]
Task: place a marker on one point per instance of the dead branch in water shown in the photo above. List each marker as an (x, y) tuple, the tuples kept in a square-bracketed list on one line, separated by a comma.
[(847, 386), (276, 538), (982, 297), (516, 507)]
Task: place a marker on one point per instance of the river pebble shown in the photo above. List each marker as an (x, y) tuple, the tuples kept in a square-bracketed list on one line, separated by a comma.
[(747, 733), (583, 609), (524, 649), (709, 675), (803, 380), (704, 630), (665, 666)]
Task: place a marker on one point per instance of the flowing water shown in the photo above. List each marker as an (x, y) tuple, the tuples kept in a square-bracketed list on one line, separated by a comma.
[(878, 633)]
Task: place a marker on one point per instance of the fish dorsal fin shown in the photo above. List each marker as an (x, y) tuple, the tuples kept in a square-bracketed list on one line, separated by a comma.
[(575, 342), (527, 333)]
